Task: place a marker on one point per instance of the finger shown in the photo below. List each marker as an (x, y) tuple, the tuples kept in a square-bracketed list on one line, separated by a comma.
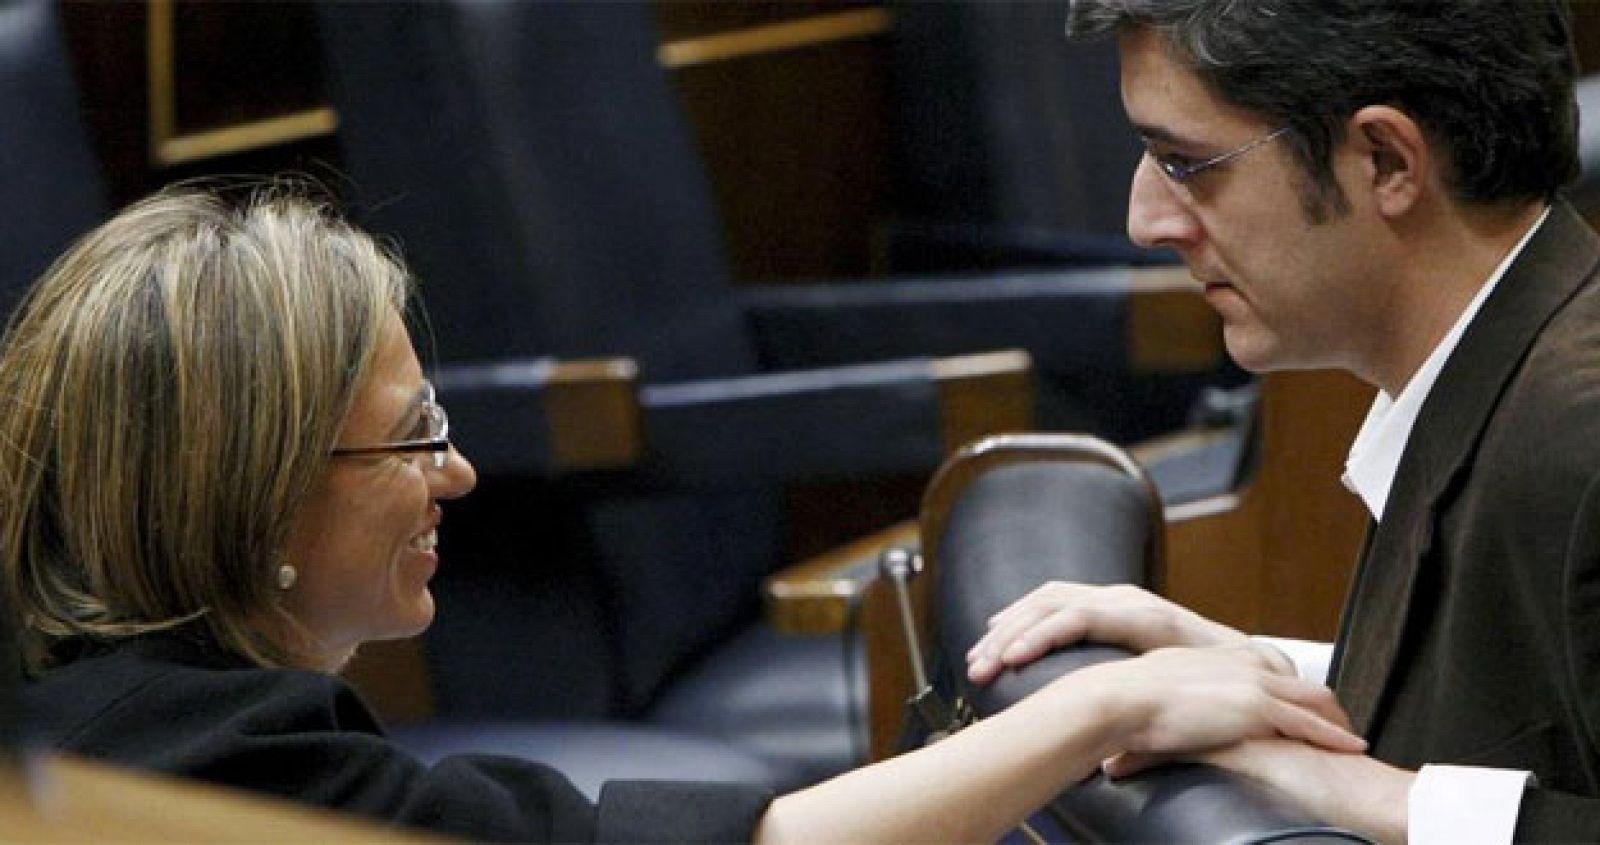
[(1002, 631), (1017, 622), (1028, 642), (1019, 640), (1024, 640), (1302, 724), (1050, 595), (1309, 695), (1130, 763)]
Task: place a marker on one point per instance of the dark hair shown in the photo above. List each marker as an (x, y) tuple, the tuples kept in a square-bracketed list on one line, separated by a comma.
[(1489, 81)]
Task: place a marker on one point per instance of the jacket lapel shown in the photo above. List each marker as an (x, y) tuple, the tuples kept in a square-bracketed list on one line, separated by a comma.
[(1554, 265)]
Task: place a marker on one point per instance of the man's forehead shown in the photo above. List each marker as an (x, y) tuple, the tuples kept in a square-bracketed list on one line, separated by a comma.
[(1167, 101)]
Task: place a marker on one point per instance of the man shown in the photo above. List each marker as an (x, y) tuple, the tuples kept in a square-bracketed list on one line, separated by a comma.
[(1374, 186)]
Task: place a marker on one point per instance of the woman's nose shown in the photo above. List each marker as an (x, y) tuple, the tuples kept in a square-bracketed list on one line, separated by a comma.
[(456, 478)]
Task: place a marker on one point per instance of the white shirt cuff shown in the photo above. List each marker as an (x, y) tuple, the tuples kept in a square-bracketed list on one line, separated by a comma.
[(1310, 659), (1464, 805)]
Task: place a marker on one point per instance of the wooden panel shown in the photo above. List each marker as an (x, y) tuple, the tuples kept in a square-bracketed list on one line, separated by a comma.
[(800, 34), (1171, 328), (817, 595), (684, 19), (229, 64), (72, 800), (1586, 34), (226, 79), (983, 394), (1277, 558), (593, 412), (794, 146), (243, 62)]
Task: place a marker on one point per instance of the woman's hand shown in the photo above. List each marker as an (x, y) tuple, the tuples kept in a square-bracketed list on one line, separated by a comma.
[(1060, 614)]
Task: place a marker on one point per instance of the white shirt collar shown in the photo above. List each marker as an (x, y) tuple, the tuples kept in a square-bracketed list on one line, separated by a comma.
[(1375, 455)]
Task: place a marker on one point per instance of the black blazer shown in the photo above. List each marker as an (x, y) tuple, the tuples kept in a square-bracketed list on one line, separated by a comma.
[(175, 705), (1472, 634)]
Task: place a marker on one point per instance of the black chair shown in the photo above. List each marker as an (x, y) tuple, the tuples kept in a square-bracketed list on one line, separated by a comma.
[(532, 163), (1011, 512), (1011, 146), (51, 182), (1585, 194), (49, 177)]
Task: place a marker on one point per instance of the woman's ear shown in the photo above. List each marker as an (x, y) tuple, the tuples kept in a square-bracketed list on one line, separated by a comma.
[(1400, 160)]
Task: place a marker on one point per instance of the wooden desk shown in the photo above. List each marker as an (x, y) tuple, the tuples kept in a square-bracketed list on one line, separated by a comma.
[(63, 799)]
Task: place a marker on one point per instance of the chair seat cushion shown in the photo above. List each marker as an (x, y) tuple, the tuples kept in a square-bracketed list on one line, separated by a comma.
[(799, 701), (591, 753)]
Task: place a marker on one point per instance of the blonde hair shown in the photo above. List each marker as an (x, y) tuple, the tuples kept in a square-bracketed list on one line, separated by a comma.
[(172, 387)]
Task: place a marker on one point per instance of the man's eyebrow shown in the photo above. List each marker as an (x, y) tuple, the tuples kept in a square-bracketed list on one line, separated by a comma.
[(1162, 135)]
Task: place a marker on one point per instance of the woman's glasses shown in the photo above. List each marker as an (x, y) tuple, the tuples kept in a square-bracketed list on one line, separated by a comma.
[(433, 434)]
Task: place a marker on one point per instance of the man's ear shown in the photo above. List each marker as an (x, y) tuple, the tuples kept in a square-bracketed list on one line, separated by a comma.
[(1400, 162)]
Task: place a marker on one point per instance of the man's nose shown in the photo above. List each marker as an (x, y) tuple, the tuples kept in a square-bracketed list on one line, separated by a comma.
[(1157, 216)]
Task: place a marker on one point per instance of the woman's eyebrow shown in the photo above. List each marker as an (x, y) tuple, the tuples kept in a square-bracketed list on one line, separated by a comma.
[(408, 417)]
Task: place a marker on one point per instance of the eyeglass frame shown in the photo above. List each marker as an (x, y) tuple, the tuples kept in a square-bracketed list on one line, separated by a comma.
[(438, 444), (1182, 173)]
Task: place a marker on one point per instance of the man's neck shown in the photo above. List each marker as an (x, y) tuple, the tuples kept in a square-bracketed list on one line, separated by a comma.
[(1447, 263)]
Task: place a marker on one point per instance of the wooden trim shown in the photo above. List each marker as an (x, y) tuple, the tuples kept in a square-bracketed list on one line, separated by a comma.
[(1275, 557), (815, 596), (1171, 328), (774, 38), (592, 406), (989, 393), (160, 74), (168, 148), (69, 799), (273, 131)]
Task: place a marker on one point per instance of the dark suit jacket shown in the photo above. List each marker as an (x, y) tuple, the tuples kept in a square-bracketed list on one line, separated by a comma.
[(1472, 635), (175, 705)]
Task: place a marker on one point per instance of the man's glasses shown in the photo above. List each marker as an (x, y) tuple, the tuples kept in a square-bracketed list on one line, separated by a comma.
[(1181, 171), (432, 434)]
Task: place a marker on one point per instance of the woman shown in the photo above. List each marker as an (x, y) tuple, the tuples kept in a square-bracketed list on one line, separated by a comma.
[(224, 471)]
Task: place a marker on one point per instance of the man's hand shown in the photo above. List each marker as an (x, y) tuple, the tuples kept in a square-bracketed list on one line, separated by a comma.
[(1351, 790), (1182, 700), (1059, 614)]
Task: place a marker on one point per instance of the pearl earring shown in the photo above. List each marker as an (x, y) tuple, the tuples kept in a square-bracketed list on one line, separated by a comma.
[(286, 576)]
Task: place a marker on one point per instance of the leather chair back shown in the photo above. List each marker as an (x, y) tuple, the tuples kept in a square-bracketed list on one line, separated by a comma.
[(1012, 512), (531, 161), (50, 183)]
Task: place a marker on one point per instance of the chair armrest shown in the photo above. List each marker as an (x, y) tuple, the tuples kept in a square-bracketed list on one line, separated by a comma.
[(545, 417), (1074, 322), (818, 595), (931, 246), (900, 416)]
